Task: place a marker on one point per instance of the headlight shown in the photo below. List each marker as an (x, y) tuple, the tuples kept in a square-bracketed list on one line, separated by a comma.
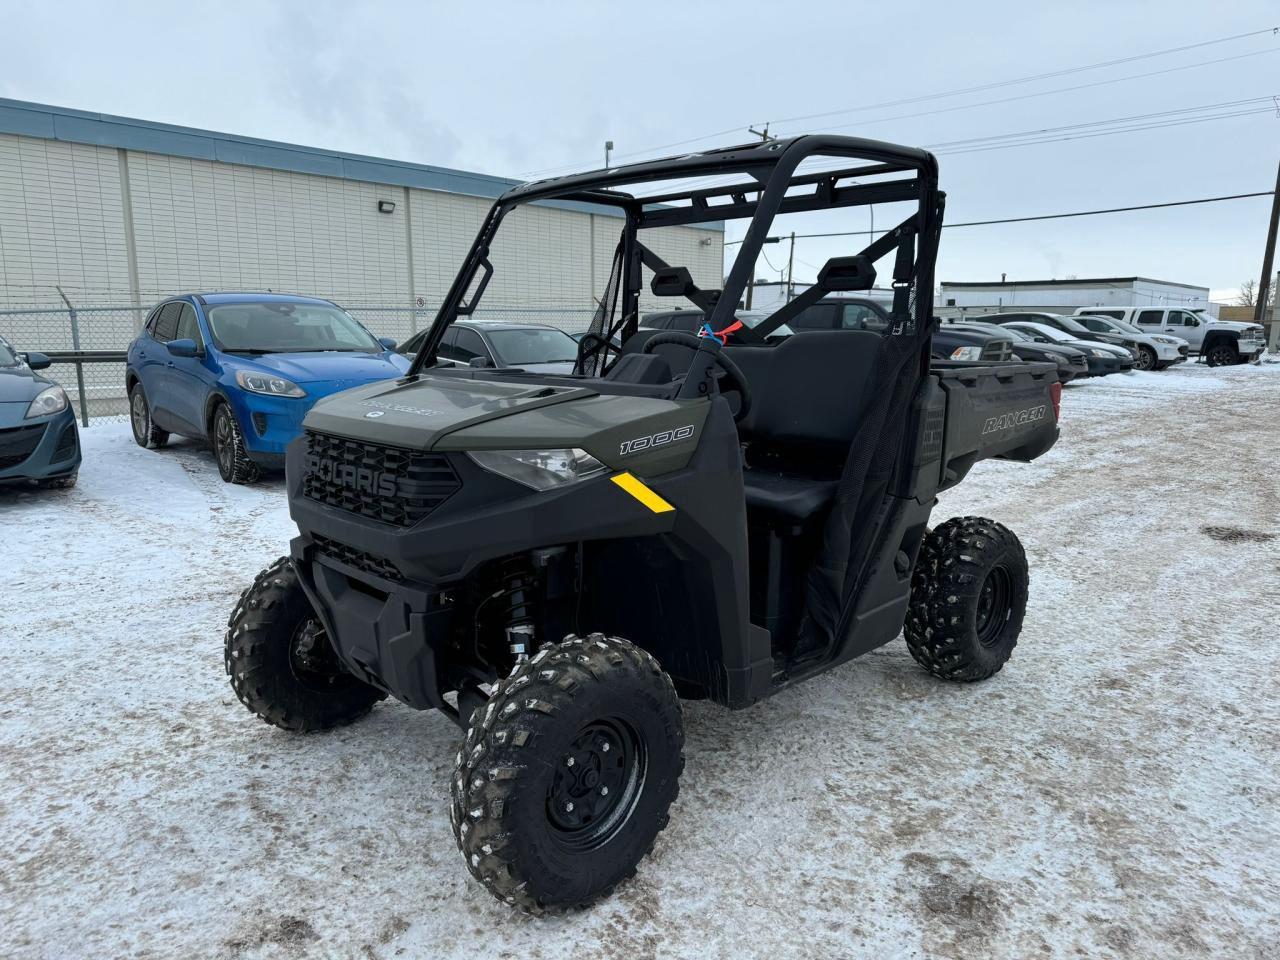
[(1164, 340), (966, 353), (47, 401), (271, 386), (540, 469), (1101, 353)]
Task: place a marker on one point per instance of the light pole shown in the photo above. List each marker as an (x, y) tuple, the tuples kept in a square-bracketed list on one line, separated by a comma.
[(608, 149)]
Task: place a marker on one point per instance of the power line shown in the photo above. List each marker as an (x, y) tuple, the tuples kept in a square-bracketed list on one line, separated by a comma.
[(1088, 130), (1039, 93), (1040, 76), (1044, 216), (1273, 30)]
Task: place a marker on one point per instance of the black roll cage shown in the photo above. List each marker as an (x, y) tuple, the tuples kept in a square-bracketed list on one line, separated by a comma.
[(772, 165)]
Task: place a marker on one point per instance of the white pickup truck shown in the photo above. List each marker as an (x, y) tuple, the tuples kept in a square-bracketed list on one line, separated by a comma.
[(1219, 342)]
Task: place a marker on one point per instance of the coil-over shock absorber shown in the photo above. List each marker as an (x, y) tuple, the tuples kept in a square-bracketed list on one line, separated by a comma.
[(519, 585)]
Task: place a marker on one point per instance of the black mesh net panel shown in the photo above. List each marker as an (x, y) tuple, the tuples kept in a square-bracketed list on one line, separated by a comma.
[(594, 353), (861, 505)]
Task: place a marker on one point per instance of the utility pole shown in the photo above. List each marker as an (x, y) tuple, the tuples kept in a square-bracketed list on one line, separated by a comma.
[(1268, 256), (608, 149), (791, 259), (762, 134), (1273, 344)]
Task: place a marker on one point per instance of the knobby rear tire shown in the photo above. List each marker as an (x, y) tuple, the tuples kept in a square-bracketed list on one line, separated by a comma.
[(968, 598)]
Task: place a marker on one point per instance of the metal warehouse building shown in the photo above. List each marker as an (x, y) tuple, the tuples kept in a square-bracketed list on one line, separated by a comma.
[(1064, 296), (116, 213)]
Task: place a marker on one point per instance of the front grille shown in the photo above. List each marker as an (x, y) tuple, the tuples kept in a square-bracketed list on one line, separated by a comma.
[(998, 350), (388, 484), (359, 559), (17, 443)]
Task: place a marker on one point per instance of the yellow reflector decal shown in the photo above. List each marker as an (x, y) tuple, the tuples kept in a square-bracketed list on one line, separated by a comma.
[(642, 493)]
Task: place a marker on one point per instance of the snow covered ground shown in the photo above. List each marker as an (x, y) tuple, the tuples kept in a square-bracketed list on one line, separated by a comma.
[(1114, 792)]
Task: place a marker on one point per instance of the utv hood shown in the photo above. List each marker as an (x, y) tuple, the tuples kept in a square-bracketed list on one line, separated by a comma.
[(648, 435)]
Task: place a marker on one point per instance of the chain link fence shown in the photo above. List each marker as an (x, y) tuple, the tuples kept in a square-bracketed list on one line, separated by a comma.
[(87, 343)]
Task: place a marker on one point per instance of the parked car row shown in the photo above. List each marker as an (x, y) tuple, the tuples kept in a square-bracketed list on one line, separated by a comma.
[(1220, 342), (241, 370)]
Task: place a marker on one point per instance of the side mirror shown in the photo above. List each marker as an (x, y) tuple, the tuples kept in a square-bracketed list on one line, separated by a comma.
[(183, 348), (1193, 323), (37, 361), (387, 342), (479, 362)]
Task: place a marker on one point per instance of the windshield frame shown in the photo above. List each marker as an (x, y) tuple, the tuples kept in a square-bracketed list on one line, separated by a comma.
[(7, 347), (210, 309)]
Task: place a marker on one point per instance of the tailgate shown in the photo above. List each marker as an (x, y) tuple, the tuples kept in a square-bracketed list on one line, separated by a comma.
[(1004, 411)]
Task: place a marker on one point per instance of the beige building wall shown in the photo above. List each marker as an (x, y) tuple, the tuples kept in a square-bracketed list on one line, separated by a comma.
[(116, 227)]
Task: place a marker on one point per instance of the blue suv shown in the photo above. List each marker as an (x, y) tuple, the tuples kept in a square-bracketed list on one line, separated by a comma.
[(241, 370)]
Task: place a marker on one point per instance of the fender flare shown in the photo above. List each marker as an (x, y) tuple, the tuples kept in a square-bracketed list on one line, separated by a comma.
[(1217, 337)]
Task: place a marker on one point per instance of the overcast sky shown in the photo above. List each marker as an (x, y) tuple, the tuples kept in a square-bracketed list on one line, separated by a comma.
[(513, 88)]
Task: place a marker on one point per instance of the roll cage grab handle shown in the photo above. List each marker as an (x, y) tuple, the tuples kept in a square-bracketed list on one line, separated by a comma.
[(773, 165)]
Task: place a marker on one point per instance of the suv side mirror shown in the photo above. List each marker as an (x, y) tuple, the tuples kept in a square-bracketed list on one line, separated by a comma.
[(183, 348), (387, 342), (1193, 322), (479, 362), (37, 361)]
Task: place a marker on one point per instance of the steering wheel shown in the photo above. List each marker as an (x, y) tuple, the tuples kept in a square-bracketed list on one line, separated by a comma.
[(737, 382)]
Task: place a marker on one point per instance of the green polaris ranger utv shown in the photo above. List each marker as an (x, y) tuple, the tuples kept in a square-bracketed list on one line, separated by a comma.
[(554, 560)]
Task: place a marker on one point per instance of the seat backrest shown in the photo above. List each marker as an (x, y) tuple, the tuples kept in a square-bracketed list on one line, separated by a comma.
[(809, 390)]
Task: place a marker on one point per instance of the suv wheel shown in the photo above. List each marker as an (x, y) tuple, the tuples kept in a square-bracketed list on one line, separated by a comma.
[(968, 598), (145, 433), (228, 446), (1221, 355), (567, 773), (1146, 359), (280, 662)]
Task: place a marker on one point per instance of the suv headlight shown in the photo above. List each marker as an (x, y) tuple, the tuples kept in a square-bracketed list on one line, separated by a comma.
[(1164, 340), (265, 383), (1101, 353), (966, 353), (540, 469), (49, 400)]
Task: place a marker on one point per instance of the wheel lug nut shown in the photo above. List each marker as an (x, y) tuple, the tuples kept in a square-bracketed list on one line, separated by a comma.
[(568, 807), (568, 761), (604, 746), (604, 791)]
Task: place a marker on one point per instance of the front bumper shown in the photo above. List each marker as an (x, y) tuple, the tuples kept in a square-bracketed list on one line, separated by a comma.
[(270, 424), (1250, 349), (44, 448), (1101, 366)]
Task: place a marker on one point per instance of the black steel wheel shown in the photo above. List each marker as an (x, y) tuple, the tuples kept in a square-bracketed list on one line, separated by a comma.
[(1221, 355), (993, 605), (145, 433), (567, 774), (280, 662), (968, 598), (596, 783), (234, 464)]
